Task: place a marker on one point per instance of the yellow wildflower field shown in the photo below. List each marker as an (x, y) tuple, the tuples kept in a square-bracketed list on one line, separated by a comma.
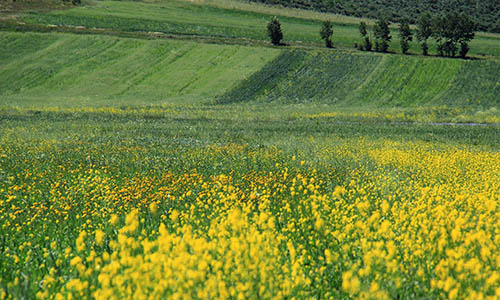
[(144, 208)]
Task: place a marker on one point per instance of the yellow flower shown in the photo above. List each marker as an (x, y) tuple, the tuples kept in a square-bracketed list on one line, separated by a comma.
[(99, 237), (114, 219), (174, 215), (153, 208)]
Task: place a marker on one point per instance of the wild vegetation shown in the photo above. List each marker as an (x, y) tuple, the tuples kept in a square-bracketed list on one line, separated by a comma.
[(274, 31), (217, 202), (168, 150), (448, 31)]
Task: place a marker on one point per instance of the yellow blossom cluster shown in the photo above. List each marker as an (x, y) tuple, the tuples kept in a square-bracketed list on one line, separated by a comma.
[(237, 258), (364, 219)]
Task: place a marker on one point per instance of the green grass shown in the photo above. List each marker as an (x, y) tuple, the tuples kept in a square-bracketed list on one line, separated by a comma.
[(73, 70), (476, 83), (299, 76), (184, 17), (403, 81), (90, 70), (363, 80)]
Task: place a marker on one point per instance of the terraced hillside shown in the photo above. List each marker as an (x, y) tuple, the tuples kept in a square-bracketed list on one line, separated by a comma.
[(63, 69)]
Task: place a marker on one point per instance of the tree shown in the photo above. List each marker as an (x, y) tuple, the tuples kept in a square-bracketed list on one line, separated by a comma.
[(362, 29), (368, 44), (405, 35), (424, 31), (451, 30), (326, 33), (274, 31), (382, 34), (465, 33), (366, 39)]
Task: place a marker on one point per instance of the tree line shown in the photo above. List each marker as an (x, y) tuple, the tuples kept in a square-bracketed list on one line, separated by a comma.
[(452, 33)]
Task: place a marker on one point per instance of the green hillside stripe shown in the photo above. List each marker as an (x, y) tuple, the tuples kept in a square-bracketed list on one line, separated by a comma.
[(261, 83), (324, 78), (404, 81), (14, 47), (98, 70), (347, 79), (476, 83), (75, 70)]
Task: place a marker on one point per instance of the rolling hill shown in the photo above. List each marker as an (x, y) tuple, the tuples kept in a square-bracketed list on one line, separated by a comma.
[(79, 70), (74, 70)]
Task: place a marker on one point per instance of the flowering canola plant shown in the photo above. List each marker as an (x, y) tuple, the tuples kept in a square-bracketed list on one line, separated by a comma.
[(357, 219)]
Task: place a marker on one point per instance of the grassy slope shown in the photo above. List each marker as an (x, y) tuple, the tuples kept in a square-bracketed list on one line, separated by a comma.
[(61, 69), (371, 80), (76, 70), (183, 17)]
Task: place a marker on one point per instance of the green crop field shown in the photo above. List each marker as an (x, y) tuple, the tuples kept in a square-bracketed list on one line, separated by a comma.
[(203, 163), (76, 70), (61, 69), (348, 79)]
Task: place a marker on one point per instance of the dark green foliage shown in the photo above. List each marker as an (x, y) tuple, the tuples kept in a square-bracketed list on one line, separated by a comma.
[(451, 30), (405, 36), (326, 33), (485, 13), (367, 43), (74, 2), (466, 28), (425, 48), (362, 29), (382, 35), (424, 31), (464, 49), (274, 31)]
